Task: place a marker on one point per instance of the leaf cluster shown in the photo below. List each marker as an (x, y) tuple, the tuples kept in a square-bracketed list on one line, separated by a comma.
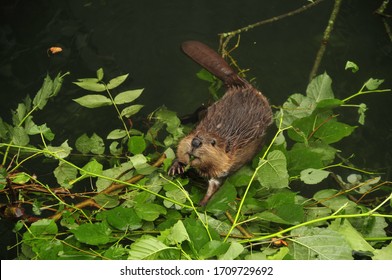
[(133, 210)]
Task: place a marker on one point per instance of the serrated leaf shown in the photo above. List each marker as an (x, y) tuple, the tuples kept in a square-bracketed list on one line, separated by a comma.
[(19, 136), (385, 253), (178, 234), (320, 88), (97, 146), (319, 244), (373, 84), (92, 168), (146, 247), (213, 248), (45, 92), (93, 101), (313, 176), (127, 96), (62, 151), (221, 200), (64, 174), (115, 82), (273, 171), (150, 211), (122, 172), (352, 236), (123, 218), (131, 110), (92, 234), (333, 131)]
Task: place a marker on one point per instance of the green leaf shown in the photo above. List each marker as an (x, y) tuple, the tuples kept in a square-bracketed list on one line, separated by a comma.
[(93, 234), (361, 112), (140, 163), (221, 200), (127, 96), (82, 144), (328, 198), (62, 151), (273, 171), (106, 201), (301, 157), (92, 168), (385, 253), (150, 211), (19, 136), (42, 129), (197, 233), (115, 82), (178, 234), (93, 144), (146, 248), (214, 248), (93, 101), (352, 66), (117, 134), (313, 176), (91, 85), (333, 131), (123, 218), (43, 227), (131, 110), (20, 178), (97, 146), (205, 76), (319, 244), (296, 107), (122, 172), (46, 92), (328, 104), (352, 236), (100, 74), (233, 252), (136, 145), (320, 88), (373, 84), (64, 174)]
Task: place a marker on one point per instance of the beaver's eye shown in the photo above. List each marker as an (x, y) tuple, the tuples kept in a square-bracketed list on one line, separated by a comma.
[(213, 142)]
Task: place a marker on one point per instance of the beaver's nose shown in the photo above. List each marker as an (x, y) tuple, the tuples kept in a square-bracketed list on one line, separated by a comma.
[(196, 142)]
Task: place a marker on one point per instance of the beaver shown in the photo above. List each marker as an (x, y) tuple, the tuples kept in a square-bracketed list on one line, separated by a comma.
[(232, 130)]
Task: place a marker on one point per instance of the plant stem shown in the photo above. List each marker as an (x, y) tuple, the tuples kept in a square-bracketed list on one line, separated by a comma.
[(118, 112)]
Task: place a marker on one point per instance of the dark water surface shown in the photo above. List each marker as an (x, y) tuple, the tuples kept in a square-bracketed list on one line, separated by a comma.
[(143, 38)]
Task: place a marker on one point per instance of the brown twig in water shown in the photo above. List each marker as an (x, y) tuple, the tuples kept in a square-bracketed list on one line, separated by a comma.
[(227, 36), (380, 12), (325, 39), (245, 233)]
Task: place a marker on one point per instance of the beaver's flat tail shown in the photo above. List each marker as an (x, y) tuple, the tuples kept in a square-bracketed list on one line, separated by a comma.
[(213, 62)]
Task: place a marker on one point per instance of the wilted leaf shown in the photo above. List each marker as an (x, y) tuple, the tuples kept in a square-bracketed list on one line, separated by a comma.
[(93, 101)]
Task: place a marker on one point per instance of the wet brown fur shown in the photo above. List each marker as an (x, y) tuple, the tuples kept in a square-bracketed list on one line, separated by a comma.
[(232, 130)]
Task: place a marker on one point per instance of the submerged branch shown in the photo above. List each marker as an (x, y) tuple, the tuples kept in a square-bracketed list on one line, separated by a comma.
[(325, 39)]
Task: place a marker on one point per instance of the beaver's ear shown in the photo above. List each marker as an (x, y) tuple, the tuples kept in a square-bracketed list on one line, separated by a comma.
[(213, 142)]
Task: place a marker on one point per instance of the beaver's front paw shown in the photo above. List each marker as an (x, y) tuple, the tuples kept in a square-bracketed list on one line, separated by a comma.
[(177, 168)]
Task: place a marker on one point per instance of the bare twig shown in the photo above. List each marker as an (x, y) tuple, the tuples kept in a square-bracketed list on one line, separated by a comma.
[(325, 39)]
